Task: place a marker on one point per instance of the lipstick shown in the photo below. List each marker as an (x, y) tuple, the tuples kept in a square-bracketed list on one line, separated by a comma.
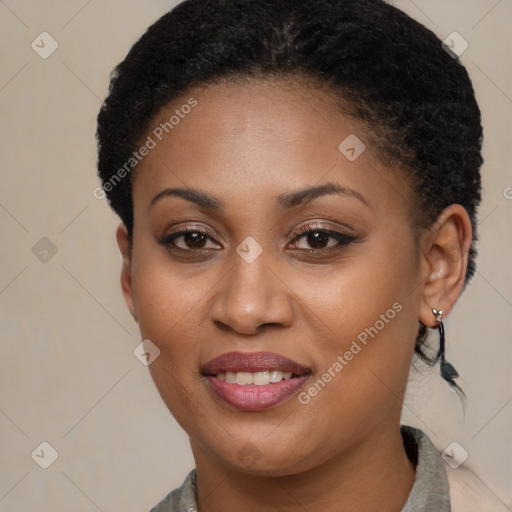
[(254, 381)]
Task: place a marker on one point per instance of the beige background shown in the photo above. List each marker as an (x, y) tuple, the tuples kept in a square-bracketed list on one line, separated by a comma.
[(67, 372)]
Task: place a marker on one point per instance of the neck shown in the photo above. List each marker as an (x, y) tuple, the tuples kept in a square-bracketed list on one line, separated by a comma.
[(373, 475)]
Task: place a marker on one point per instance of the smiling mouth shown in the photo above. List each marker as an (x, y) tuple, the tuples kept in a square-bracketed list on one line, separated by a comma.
[(254, 381), (258, 368)]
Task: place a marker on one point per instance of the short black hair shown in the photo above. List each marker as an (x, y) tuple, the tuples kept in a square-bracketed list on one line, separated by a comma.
[(413, 93)]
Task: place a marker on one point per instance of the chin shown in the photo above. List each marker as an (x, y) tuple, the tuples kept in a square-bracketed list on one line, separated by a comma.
[(260, 456)]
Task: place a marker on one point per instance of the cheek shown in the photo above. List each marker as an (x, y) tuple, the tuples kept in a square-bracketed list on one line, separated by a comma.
[(167, 301), (366, 312), (168, 304), (364, 289)]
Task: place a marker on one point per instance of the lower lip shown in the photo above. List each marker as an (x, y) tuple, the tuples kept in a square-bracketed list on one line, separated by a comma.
[(250, 397)]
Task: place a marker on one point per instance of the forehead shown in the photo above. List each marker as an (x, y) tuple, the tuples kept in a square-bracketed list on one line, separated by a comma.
[(261, 137)]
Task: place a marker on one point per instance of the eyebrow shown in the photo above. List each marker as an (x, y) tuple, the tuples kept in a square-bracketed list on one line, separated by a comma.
[(305, 195), (286, 201), (190, 194)]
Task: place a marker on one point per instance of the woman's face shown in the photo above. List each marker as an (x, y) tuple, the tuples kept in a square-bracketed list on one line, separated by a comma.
[(300, 258)]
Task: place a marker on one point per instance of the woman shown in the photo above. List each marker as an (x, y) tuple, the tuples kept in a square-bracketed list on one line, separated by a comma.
[(298, 184)]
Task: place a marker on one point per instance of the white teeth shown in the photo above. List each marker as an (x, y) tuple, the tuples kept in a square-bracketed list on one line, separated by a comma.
[(243, 378), (261, 378), (276, 376)]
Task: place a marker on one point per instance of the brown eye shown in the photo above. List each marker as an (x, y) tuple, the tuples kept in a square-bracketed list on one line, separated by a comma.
[(314, 239), (189, 241), (195, 240), (317, 239)]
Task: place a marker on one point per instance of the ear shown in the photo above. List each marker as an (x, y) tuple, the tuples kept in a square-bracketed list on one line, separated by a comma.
[(124, 244), (445, 251)]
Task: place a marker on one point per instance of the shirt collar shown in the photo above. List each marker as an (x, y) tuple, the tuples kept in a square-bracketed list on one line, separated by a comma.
[(430, 490)]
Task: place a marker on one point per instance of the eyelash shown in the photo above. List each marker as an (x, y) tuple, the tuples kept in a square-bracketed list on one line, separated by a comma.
[(342, 238)]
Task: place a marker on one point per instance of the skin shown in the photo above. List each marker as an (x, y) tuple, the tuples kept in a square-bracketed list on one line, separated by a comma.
[(246, 144)]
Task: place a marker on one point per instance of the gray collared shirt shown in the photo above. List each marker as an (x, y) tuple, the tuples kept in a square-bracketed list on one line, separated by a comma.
[(430, 491)]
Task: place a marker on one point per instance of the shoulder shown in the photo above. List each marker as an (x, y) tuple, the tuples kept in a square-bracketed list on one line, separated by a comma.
[(469, 494)]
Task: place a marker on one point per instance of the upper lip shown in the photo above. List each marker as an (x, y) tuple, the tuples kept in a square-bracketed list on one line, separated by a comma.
[(252, 362)]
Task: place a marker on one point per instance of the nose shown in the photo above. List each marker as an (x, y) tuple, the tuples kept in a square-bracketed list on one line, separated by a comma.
[(251, 296)]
